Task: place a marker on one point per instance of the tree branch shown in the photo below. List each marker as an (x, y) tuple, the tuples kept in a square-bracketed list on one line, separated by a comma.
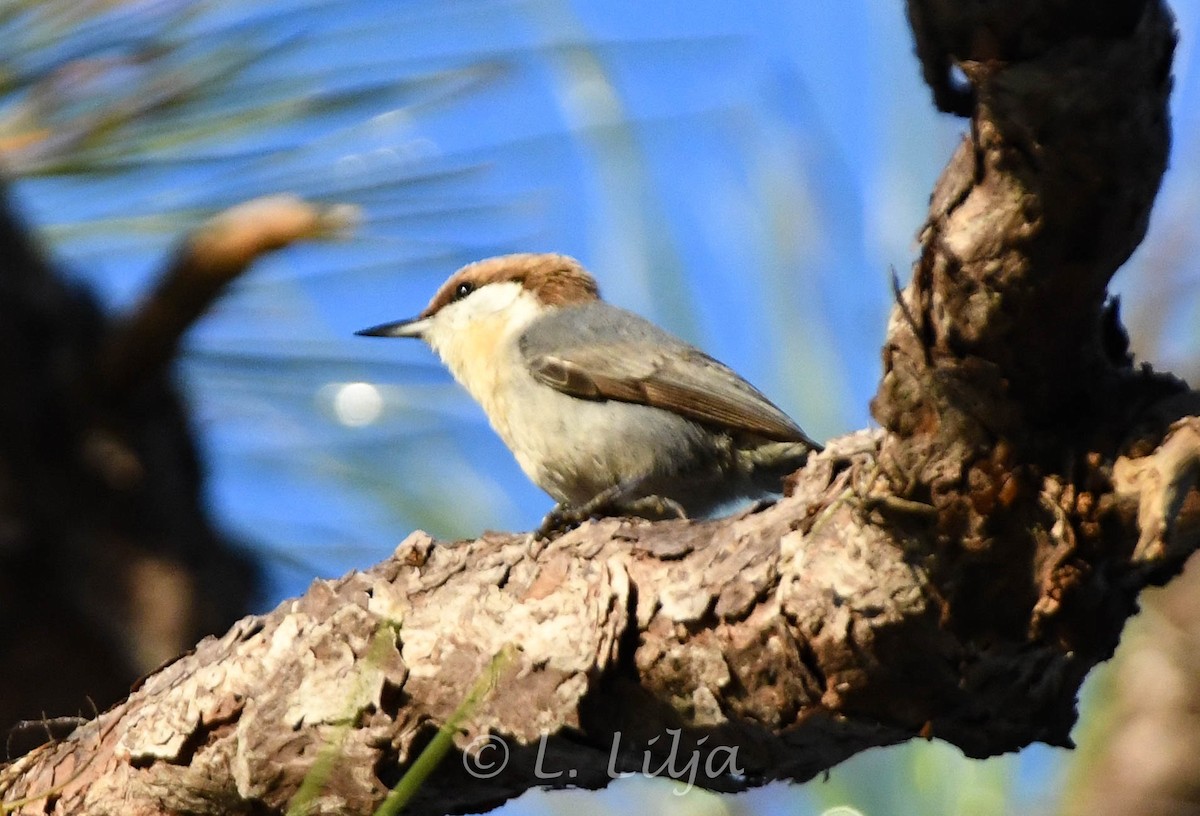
[(954, 575), (212, 258), (793, 637)]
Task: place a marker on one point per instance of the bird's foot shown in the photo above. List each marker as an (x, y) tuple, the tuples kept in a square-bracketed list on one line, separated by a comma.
[(566, 517), (613, 500), (654, 507), (561, 519)]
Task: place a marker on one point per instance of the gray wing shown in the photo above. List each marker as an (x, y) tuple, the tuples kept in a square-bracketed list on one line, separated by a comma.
[(598, 351)]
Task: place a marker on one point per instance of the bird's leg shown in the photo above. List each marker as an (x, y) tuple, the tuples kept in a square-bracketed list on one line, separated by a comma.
[(561, 518), (631, 499), (565, 516), (657, 507), (622, 497)]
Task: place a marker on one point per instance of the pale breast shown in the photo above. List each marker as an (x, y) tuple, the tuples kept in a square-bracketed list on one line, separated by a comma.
[(574, 448)]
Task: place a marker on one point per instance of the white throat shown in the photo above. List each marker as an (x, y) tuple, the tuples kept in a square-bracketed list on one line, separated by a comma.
[(475, 335)]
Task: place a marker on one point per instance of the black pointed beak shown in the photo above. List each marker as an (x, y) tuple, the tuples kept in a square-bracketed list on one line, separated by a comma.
[(414, 327)]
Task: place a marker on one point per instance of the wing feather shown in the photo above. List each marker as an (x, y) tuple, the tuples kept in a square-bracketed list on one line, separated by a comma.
[(597, 351)]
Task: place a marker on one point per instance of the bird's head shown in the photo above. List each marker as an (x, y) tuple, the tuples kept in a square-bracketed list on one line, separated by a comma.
[(496, 295)]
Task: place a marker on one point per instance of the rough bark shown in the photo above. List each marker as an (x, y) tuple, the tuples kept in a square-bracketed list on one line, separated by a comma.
[(1140, 748), (952, 575)]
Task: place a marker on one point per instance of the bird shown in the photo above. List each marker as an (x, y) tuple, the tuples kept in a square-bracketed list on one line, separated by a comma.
[(605, 411)]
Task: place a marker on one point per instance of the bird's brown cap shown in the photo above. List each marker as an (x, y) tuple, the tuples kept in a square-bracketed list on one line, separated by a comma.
[(556, 280)]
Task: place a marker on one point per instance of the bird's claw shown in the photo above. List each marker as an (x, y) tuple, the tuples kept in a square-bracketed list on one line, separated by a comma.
[(566, 517), (675, 507), (561, 519)]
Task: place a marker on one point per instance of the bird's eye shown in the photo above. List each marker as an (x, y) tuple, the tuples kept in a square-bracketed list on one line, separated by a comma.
[(463, 289)]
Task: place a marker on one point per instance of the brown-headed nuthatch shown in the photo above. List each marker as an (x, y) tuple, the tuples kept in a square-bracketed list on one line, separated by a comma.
[(604, 411)]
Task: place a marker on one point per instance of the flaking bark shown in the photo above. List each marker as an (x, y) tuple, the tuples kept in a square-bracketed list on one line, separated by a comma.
[(952, 575)]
